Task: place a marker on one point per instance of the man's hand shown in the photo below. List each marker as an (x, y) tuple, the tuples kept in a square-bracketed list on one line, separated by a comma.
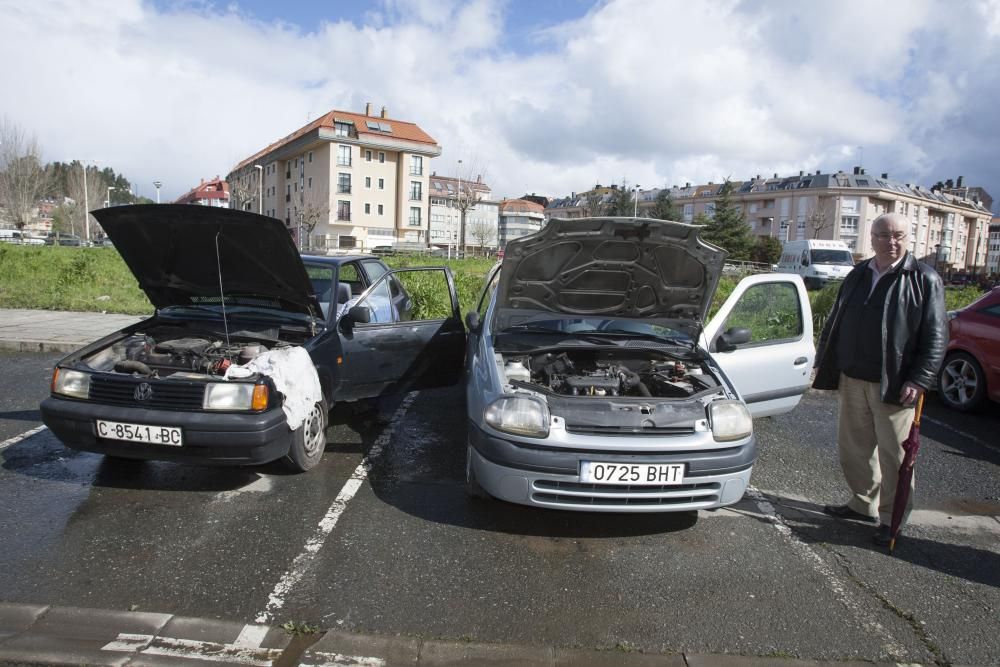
[(910, 393)]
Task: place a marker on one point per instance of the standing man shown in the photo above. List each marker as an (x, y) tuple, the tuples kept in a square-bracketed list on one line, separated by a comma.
[(881, 347)]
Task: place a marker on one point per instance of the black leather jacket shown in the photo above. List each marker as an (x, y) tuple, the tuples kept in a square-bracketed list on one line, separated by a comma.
[(914, 330)]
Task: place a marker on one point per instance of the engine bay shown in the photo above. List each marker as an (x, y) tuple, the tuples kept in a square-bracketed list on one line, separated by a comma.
[(162, 353), (603, 373)]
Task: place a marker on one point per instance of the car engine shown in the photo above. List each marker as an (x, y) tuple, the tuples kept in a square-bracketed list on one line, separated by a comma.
[(144, 355), (609, 374)]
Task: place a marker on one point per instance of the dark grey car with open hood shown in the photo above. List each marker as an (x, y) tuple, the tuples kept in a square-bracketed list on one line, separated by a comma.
[(597, 382), (250, 344)]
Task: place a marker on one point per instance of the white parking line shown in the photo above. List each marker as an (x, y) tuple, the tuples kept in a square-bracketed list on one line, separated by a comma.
[(276, 600), (868, 621), (18, 438), (958, 432)]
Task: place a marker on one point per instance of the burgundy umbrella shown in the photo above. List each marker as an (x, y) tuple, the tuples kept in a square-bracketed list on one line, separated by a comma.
[(910, 447)]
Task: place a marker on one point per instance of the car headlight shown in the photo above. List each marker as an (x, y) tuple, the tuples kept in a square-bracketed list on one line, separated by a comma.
[(730, 420), (520, 415), (235, 396), (71, 383)]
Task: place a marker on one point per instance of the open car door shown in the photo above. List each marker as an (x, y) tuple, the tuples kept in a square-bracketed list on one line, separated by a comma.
[(772, 369), (407, 343)]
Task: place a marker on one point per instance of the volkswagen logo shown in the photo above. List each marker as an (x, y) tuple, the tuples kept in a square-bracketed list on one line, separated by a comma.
[(143, 392)]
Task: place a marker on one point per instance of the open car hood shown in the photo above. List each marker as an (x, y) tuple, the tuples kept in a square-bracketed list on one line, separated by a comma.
[(171, 250), (656, 271)]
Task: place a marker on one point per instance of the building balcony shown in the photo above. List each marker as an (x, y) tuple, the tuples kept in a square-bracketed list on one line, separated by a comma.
[(416, 172), (343, 217), (344, 189), (341, 162)]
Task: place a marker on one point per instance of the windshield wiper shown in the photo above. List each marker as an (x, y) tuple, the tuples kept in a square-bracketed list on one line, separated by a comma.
[(645, 336)]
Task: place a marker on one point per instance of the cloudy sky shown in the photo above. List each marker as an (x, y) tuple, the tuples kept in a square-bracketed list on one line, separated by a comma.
[(547, 97)]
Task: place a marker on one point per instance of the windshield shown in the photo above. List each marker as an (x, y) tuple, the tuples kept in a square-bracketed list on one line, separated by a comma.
[(605, 327), (841, 257)]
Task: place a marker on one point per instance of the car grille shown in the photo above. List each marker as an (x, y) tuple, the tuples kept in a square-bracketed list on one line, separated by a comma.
[(593, 429), (166, 395), (624, 495)]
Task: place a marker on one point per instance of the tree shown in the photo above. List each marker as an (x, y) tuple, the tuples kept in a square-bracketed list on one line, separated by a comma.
[(243, 188), (97, 189), (663, 207), (23, 180), (483, 233), (466, 198), (727, 228), (767, 250), (819, 220), (593, 203), (621, 202), (309, 217), (62, 219)]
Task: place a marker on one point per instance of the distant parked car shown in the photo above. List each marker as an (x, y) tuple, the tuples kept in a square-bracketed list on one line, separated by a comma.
[(383, 250), (971, 370), (61, 238)]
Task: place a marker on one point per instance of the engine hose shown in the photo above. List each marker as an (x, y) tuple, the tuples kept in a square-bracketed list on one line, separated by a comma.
[(632, 379), (132, 366)]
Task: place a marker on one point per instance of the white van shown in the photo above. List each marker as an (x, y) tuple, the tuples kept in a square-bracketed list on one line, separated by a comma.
[(17, 236), (817, 261)]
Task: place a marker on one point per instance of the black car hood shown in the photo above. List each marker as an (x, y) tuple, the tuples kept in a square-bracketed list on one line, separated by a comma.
[(171, 250), (655, 271)]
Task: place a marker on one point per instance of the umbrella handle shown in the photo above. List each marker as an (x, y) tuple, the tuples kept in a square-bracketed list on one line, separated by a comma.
[(918, 411)]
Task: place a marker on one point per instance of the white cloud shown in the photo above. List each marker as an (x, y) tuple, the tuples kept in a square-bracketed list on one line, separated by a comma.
[(646, 91)]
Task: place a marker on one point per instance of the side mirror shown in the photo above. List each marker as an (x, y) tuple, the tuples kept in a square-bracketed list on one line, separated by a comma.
[(730, 338), (360, 314), (472, 321)]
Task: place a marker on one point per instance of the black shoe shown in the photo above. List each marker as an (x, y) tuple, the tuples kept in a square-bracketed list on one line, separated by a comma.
[(883, 535), (845, 512)]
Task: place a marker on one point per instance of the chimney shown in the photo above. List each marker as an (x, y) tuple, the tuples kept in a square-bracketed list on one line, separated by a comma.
[(572, 195), (862, 172), (857, 170), (885, 175), (368, 108), (775, 174), (757, 177), (949, 184), (385, 112), (802, 173), (687, 185), (959, 184), (817, 172)]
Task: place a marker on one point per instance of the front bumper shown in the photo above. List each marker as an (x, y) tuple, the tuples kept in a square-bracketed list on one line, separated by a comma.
[(209, 438), (550, 477)]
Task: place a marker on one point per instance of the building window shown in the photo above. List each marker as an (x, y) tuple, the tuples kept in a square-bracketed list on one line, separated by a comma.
[(310, 156), (344, 183), (381, 156), (368, 182), (310, 182), (416, 165), (343, 210), (416, 191), (849, 225), (368, 209), (414, 216), (381, 209), (342, 129), (381, 184), (368, 156), (344, 156)]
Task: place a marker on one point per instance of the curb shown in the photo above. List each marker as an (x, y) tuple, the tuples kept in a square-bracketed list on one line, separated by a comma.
[(41, 346), (49, 635)]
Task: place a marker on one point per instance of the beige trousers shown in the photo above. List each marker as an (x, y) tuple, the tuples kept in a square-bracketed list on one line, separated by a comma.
[(870, 436)]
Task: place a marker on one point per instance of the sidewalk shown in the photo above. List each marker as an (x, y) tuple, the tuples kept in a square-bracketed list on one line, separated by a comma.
[(43, 635), (56, 331)]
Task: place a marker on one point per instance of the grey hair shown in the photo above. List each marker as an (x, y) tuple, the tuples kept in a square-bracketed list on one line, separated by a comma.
[(886, 218)]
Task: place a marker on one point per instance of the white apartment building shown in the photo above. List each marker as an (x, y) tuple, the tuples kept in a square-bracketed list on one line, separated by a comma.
[(993, 248), (481, 219), (519, 217), (947, 231), (360, 179)]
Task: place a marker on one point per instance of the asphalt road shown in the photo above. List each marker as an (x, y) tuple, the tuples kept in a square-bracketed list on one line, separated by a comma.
[(400, 549)]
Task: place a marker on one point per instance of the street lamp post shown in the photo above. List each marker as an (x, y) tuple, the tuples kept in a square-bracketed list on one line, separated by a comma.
[(635, 209), (260, 191), (107, 200), (157, 184), (458, 201), (86, 204)]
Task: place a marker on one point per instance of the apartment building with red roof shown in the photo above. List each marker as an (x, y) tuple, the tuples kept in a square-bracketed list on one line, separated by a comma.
[(214, 192), (360, 180)]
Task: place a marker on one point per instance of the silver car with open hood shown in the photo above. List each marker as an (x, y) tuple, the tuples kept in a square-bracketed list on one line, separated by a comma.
[(596, 382)]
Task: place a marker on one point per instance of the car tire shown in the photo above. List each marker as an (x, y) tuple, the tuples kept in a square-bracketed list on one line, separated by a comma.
[(308, 440), (961, 382), (472, 487)]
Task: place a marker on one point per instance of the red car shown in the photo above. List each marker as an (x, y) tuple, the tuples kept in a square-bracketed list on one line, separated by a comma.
[(971, 370)]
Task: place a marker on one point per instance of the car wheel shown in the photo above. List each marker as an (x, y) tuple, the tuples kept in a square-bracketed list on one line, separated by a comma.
[(308, 440), (471, 484), (961, 383)]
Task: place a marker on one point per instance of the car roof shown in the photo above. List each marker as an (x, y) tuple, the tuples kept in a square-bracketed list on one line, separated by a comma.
[(335, 260)]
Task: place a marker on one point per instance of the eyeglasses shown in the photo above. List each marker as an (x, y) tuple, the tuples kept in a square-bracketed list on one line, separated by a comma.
[(897, 236)]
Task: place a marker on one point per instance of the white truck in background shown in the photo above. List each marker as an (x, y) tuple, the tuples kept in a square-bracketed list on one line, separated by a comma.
[(818, 261)]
